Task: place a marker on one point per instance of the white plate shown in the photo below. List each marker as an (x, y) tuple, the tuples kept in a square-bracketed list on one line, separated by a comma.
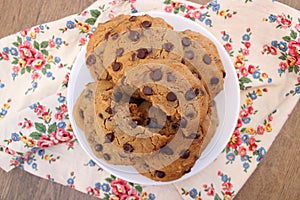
[(227, 102)]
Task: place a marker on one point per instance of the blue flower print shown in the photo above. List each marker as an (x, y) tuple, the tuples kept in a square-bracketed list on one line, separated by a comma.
[(133, 10), (34, 149), (3, 112), (246, 120), (224, 178), (98, 185), (15, 137), (246, 165), (14, 51), (42, 27), (259, 158), (29, 161), (70, 181), (49, 74), (2, 85), (57, 59), (61, 125), (272, 18), (245, 138), (61, 99), (28, 38), (202, 17), (298, 89), (91, 163), (208, 22), (230, 157), (151, 196), (274, 43), (244, 158), (246, 37), (34, 166), (283, 46), (262, 152), (70, 25), (216, 7), (280, 71), (34, 85), (270, 80), (193, 193), (253, 96), (41, 152), (58, 41), (256, 75), (13, 75), (225, 37), (6, 49), (105, 187)]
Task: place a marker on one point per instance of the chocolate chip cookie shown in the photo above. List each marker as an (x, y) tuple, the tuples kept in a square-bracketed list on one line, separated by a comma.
[(170, 87)]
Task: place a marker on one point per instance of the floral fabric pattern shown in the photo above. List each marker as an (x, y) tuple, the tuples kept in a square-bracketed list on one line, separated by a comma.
[(36, 134)]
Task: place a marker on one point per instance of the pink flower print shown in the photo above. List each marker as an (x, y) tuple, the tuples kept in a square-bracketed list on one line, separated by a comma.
[(59, 116), (35, 75), (44, 142), (51, 43), (260, 130), (168, 9), (39, 109), (16, 69), (63, 136), (242, 151)]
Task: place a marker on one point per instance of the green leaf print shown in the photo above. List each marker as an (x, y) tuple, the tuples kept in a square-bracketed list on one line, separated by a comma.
[(40, 127), (35, 135)]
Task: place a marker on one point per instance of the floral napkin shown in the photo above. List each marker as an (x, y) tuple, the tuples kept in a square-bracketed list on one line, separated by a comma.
[(262, 38)]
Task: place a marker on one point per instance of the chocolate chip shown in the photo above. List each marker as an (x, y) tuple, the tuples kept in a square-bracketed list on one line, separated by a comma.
[(224, 74), (206, 59), (169, 118), (132, 18), (183, 122), (142, 53), (171, 96), (166, 150), (120, 52), (171, 77), (108, 77), (214, 81), (193, 136), (187, 171), (175, 126), (156, 75), (134, 57), (190, 54), (91, 59), (109, 110), (116, 66), (109, 138), (106, 36), (118, 96), (159, 174), (153, 123), (134, 36), (168, 46), (100, 115), (89, 94), (146, 24), (190, 94), (184, 154), (106, 156), (147, 90), (81, 114), (128, 148), (114, 36), (186, 41), (133, 124), (98, 147)]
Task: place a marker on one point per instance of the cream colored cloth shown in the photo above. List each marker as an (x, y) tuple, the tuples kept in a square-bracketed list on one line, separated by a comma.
[(263, 38)]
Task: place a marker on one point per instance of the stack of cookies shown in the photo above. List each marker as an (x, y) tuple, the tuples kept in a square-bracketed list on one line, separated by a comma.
[(151, 105)]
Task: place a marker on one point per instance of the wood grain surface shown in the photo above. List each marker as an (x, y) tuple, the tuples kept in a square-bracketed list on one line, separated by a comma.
[(277, 176)]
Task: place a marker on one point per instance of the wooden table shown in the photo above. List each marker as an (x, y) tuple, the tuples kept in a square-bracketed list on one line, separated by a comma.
[(277, 177)]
